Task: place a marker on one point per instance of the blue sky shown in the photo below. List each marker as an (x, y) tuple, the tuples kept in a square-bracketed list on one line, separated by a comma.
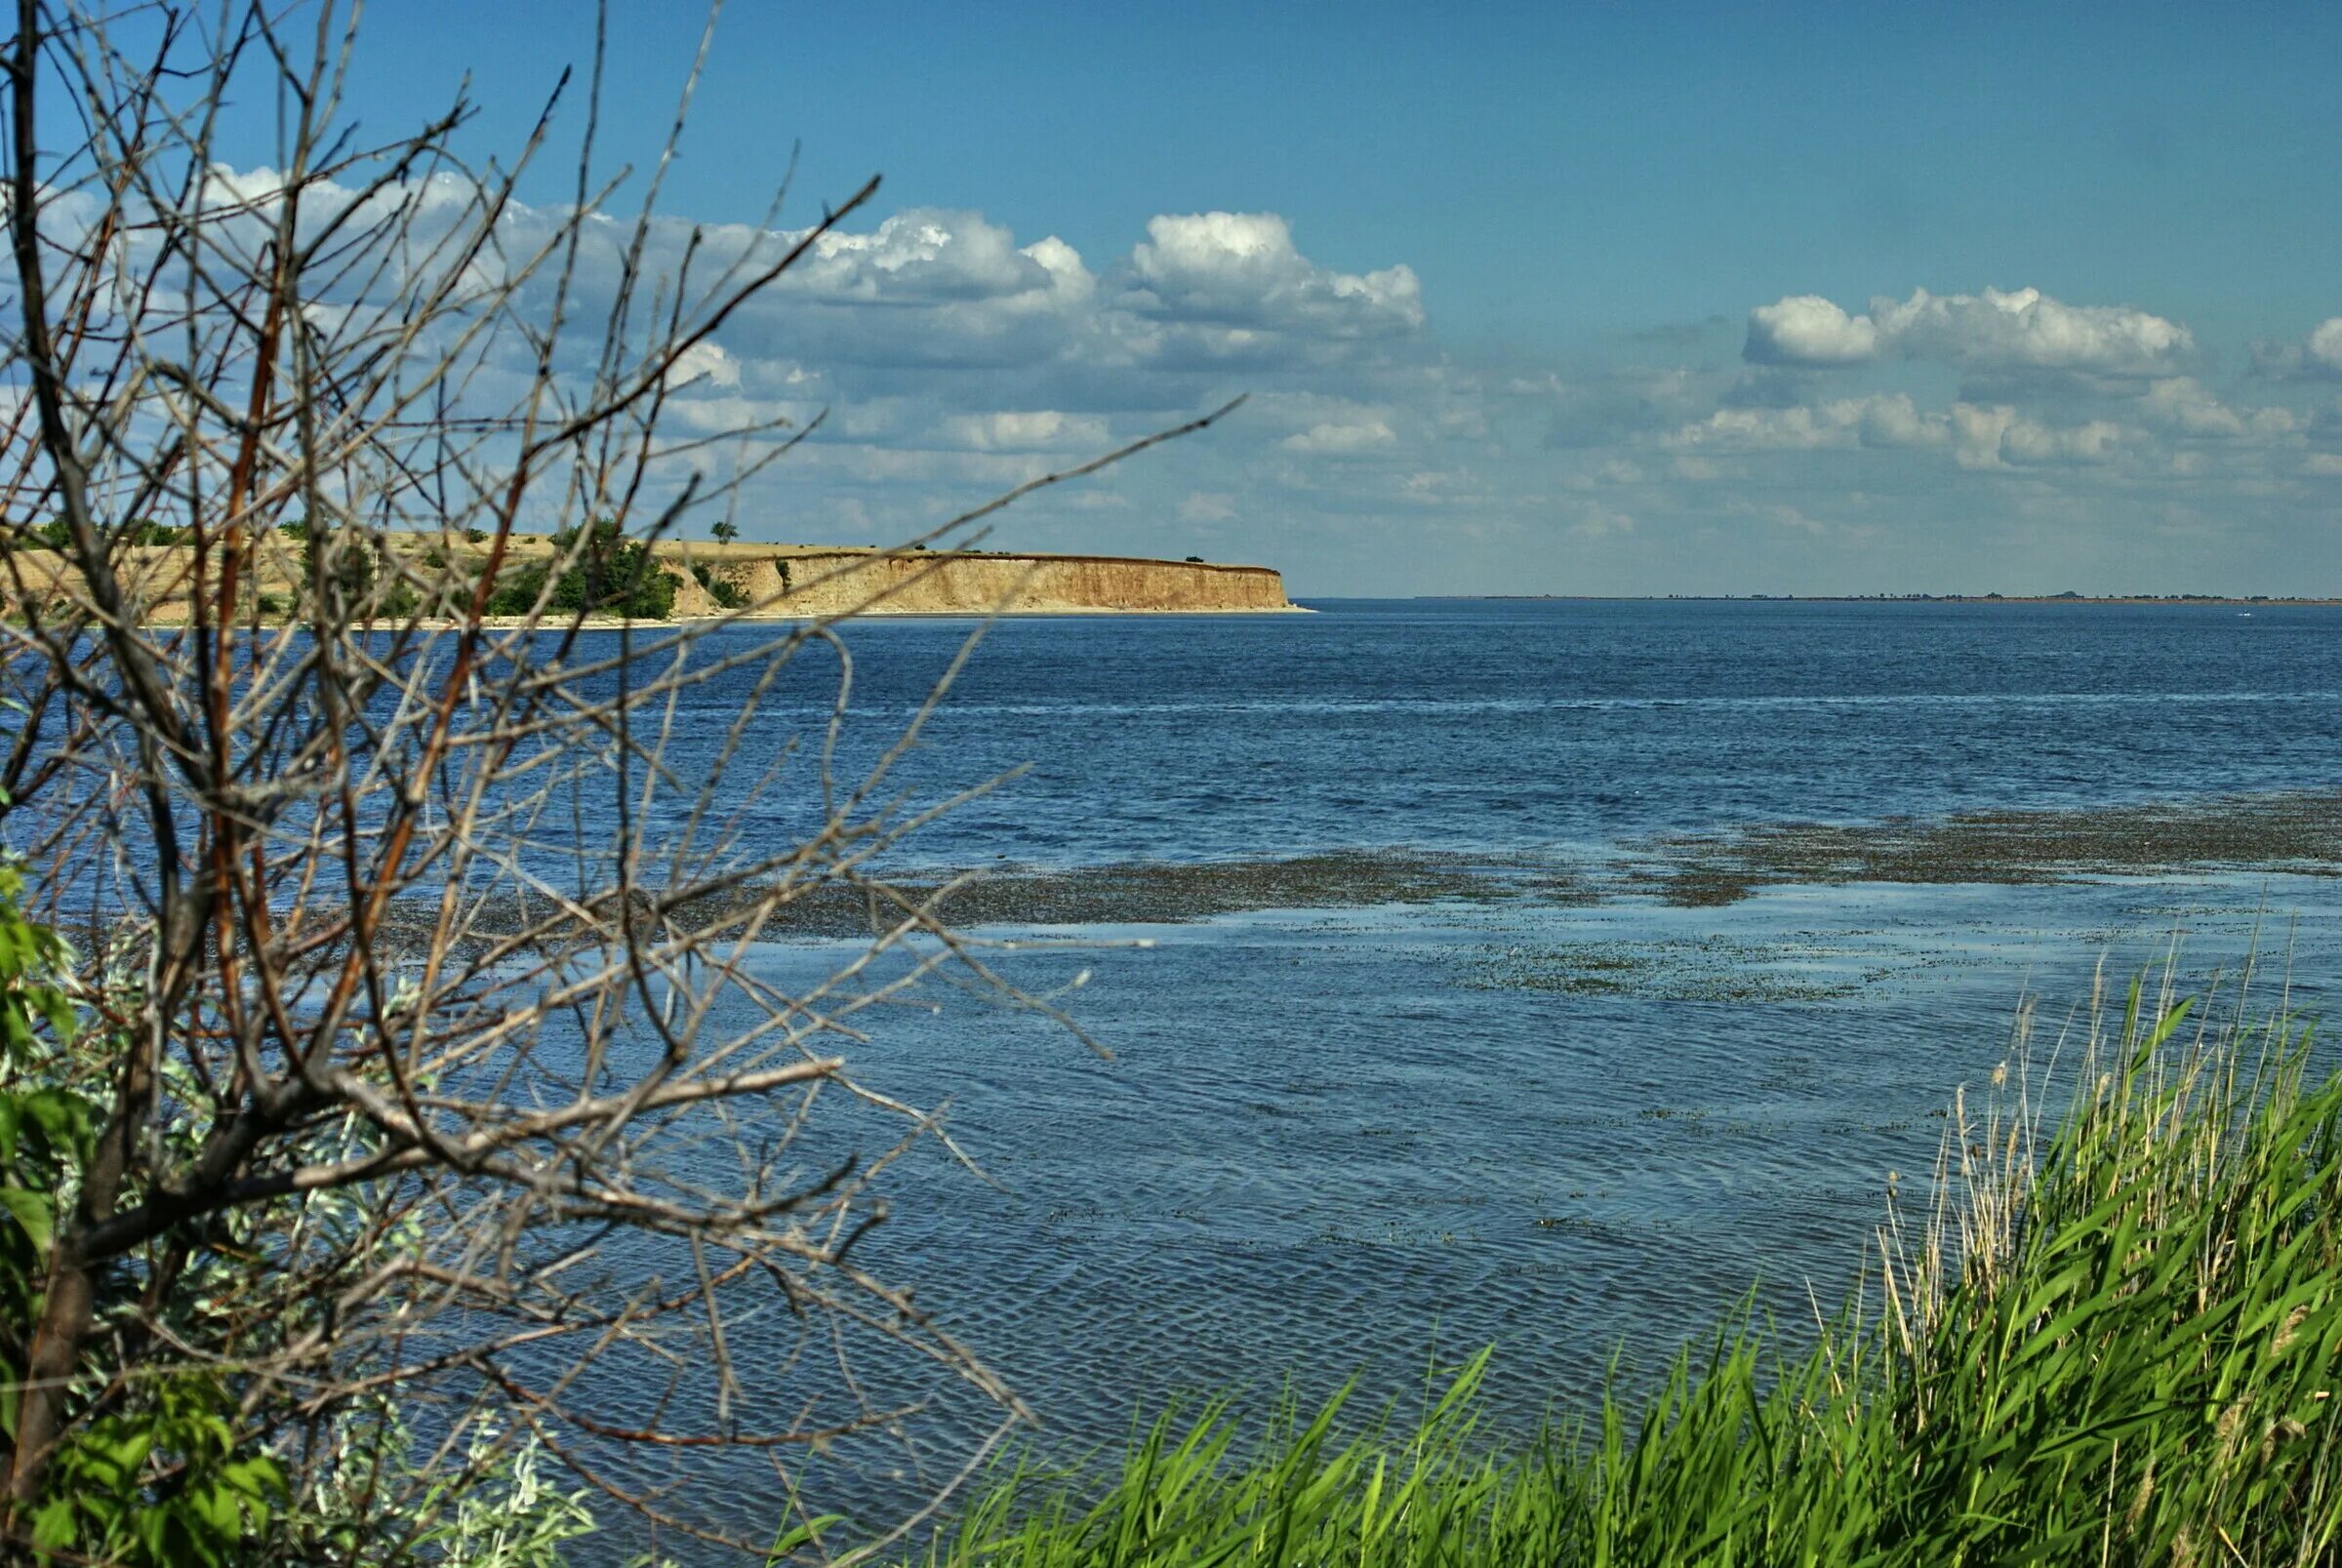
[(1507, 283)]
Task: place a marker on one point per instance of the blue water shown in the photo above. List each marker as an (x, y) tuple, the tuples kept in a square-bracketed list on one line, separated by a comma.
[(1356, 1143), (1537, 724)]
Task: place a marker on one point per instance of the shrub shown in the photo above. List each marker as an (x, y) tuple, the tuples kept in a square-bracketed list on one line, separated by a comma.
[(347, 572), (726, 589), (611, 575), (58, 536)]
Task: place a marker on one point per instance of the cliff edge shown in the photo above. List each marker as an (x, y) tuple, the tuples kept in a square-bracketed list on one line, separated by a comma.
[(783, 581), (819, 580)]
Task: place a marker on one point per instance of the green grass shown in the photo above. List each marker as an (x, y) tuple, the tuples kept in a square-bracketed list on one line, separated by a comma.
[(2119, 1343)]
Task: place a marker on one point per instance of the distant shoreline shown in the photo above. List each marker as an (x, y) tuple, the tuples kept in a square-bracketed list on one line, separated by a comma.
[(2197, 599), (438, 579)]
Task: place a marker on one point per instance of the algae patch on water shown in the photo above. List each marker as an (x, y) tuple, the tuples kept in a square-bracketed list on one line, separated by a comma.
[(2295, 833)]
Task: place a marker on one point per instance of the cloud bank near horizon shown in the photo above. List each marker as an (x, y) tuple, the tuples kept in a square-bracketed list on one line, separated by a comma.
[(1950, 441)]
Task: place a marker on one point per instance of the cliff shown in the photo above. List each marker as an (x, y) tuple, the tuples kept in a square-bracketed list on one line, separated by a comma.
[(792, 581), (811, 581)]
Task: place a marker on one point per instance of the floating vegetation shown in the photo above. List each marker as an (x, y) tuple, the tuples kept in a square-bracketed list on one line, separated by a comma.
[(2298, 832)]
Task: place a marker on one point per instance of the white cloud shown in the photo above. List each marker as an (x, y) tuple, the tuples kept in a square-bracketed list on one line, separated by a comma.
[(1978, 435), (2028, 330), (1807, 329), (934, 256), (1035, 431), (1774, 430), (729, 412), (1341, 440), (2031, 443), (1893, 421), (1887, 419), (705, 364), (2324, 345), (2180, 405), (1240, 272), (1998, 436), (2021, 330)]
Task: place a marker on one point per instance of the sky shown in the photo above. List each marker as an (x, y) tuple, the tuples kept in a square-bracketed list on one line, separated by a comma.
[(1765, 299)]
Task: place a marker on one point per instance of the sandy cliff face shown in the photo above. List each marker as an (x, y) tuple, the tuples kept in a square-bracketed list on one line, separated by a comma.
[(777, 580), (815, 582)]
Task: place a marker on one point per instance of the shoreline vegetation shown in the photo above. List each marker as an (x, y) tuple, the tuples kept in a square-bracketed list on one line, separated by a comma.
[(2113, 1339)]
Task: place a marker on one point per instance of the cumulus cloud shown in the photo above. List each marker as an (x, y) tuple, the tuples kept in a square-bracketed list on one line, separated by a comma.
[(2019, 330), (1241, 272), (2320, 354), (1807, 329), (1979, 437), (930, 256), (2326, 343), (2026, 442), (1895, 421), (935, 290), (1888, 420), (947, 307), (927, 289), (2028, 330), (2182, 406), (1998, 436)]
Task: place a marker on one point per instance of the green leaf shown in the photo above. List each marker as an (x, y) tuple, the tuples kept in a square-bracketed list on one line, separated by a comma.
[(32, 1211), (53, 1524)]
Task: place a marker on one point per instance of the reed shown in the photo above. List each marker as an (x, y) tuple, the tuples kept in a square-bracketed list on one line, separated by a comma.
[(2115, 1339)]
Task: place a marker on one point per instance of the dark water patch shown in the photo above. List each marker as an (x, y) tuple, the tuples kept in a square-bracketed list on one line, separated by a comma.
[(1138, 893), (2297, 832), (1177, 893)]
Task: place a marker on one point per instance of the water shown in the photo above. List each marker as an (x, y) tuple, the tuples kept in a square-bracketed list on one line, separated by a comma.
[(1535, 724), (1338, 1143)]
